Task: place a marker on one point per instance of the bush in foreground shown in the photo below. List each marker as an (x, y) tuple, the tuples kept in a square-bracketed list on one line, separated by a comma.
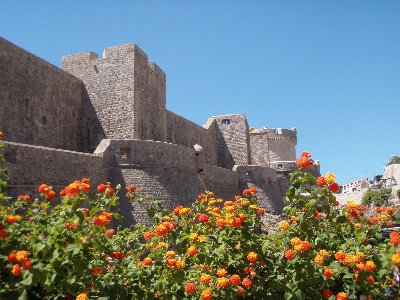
[(211, 250)]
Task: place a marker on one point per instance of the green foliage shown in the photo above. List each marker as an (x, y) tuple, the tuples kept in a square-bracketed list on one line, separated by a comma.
[(376, 197), (210, 250), (393, 160)]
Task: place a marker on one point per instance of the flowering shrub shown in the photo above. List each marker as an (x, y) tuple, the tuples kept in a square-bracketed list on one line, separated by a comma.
[(211, 250)]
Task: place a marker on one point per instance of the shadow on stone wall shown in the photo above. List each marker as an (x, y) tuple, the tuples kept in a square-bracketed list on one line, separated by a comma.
[(92, 130)]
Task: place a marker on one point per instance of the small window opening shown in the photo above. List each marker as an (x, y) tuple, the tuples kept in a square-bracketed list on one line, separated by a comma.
[(226, 121), (279, 166), (248, 173), (123, 152), (197, 153), (44, 120)]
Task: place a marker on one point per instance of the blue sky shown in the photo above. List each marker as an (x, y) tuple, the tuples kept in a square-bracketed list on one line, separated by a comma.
[(329, 68)]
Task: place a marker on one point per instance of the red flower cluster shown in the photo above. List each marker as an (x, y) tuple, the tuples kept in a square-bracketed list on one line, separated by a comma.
[(20, 257), (394, 238), (106, 188), (250, 191), (47, 191), (26, 198), (190, 288), (3, 233), (71, 225), (203, 218), (305, 160)]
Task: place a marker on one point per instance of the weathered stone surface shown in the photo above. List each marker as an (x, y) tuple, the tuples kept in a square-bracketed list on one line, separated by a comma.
[(115, 108)]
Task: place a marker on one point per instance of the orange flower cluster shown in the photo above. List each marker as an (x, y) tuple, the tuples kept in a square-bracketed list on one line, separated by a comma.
[(106, 188), (163, 228), (11, 219), (342, 296), (327, 293), (205, 279), (76, 187), (252, 257), (109, 233), (203, 218), (305, 160), (181, 211), (319, 260), (283, 225), (83, 296), (20, 257), (96, 271), (192, 251), (47, 191), (396, 259), (147, 261), (3, 232), (222, 282), (250, 191), (206, 294), (222, 272), (190, 288), (1, 135), (289, 254), (299, 245), (354, 210), (148, 234), (131, 191), (328, 180), (26, 198), (235, 279), (103, 219), (72, 225), (247, 283), (328, 273)]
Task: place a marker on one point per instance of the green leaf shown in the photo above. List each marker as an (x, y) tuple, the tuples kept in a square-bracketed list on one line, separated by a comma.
[(75, 249), (23, 296)]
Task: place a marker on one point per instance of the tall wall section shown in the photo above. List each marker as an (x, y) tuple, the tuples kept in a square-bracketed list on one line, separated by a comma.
[(31, 166), (123, 97), (165, 171), (265, 179), (233, 141), (40, 104), (282, 144), (259, 147), (183, 132), (222, 182)]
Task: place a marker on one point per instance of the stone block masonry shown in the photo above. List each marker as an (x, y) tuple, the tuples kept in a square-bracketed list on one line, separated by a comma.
[(106, 119), (31, 166), (40, 104)]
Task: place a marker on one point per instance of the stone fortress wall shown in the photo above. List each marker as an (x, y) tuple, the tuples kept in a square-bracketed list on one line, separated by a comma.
[(106, 119)]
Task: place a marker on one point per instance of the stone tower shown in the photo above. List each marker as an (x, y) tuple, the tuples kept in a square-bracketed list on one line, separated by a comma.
[(123, 95), (233, 141)]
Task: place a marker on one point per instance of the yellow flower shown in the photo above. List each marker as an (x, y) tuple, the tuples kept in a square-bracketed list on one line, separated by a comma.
[(330, 177), (201, 238), (323, 253), (244, 201), (319, 260), (193, 236), (83, 296), (283, 225)]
